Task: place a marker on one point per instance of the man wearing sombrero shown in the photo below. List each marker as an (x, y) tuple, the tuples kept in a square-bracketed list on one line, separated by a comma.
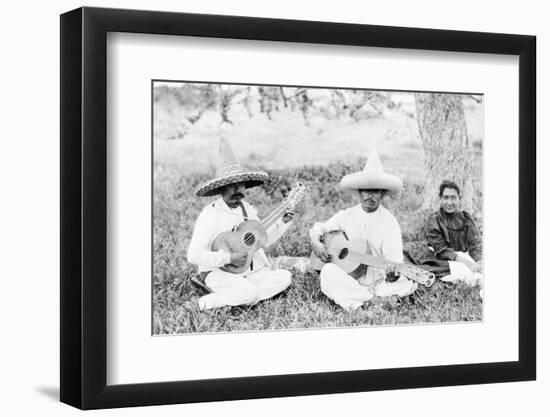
[(260, 282), (370, 222)]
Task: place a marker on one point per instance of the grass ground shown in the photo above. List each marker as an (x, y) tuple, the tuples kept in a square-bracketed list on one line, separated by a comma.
[(317, 156), (304, 306)]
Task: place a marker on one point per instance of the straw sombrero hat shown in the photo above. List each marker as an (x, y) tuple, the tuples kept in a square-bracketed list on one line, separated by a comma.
[(230, 171), (372, 177)]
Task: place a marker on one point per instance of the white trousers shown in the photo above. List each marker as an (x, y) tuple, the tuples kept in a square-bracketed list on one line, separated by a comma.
[(350, 294), (237, 289), (461, 272)]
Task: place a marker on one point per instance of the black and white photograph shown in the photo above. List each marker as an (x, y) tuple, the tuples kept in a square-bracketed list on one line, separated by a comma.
[(243, 208), (280, 207)]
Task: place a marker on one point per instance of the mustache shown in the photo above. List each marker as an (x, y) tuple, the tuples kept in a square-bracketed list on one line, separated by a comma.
[(237, 195)]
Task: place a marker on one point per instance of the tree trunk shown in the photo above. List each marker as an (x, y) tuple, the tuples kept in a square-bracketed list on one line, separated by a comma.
[(448, 151)]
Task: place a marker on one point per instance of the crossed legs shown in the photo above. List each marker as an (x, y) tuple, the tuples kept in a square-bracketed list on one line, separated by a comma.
[(236, 289), (350, 294)]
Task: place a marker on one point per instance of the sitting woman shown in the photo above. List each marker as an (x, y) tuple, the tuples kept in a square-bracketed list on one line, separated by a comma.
[(453, 235)]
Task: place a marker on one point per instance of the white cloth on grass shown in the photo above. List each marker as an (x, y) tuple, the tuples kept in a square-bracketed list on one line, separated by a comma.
[(462, 273), (234, 289), (382, 234)]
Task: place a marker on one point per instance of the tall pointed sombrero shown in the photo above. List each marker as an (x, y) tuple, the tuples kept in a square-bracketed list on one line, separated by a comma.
[(230, 171), (372, 177)]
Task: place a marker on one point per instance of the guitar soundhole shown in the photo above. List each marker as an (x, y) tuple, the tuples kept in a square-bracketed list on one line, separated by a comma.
[(343, 253), (249, 239)]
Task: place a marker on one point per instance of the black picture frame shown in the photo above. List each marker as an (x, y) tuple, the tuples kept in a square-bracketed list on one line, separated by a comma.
[(84, 207)]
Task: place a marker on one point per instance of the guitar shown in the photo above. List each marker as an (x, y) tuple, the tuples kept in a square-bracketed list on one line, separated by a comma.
[(351, 255), (251, 235)]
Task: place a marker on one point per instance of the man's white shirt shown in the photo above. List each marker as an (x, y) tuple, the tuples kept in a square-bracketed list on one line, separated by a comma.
[(216, 218), (379, 229)]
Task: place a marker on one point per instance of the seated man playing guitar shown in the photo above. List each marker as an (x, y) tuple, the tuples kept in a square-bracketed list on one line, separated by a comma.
[(372, 224), (242, 276)]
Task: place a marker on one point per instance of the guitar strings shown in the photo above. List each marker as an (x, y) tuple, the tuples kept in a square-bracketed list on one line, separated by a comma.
[(268, 221), (271, 218)]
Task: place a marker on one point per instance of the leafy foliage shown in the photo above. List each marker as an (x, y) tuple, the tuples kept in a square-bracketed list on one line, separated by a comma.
[(197, 98)]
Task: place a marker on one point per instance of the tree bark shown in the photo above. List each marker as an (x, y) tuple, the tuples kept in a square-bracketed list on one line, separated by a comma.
[(448, 151)]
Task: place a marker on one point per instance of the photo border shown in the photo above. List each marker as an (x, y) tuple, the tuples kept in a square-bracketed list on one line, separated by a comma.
[(83, 154), (230, 83)]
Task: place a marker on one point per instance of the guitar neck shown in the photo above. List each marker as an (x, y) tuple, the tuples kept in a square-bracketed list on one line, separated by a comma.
[(370, 260), (296, 194), (274, 216), (409, 271)]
